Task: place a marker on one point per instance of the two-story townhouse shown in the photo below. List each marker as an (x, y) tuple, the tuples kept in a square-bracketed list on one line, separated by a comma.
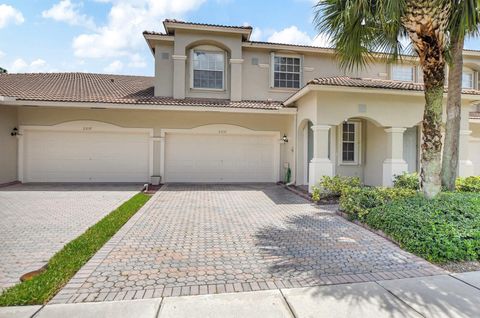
[(224, 108)]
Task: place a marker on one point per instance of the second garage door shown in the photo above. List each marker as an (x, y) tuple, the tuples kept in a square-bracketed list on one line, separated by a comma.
[(219, 158)]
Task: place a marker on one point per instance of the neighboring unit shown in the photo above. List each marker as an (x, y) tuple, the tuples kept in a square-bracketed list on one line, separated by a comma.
[(223, 108)]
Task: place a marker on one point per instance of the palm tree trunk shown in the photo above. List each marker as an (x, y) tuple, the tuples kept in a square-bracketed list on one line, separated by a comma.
[(431, 159), (426, 23), (452, 128)]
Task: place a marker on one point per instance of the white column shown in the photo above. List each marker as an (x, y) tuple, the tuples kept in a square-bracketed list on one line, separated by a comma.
[(236, 79), (465, 165), (179, 76), (394, 164), (320, 165)]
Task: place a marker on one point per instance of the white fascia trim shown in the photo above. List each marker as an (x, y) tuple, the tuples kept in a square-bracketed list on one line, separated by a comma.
[(100, 106), (7, 99), (346, 89), (165, 37), (475, 120)]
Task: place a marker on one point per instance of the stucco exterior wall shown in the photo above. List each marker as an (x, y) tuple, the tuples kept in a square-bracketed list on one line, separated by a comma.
[(164, 70), (167, 119), (475, 147), (375, 153), (8, 145), (244, 79)]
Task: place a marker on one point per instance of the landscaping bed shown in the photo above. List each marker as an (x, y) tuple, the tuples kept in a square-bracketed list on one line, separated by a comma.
[(444, 230), (65, 263)]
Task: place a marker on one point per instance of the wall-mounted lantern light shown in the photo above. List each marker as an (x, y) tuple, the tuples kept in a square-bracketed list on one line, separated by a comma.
[(15, 132), (285, 138)]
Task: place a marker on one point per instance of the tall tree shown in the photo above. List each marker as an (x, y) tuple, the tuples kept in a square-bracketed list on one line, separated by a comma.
[(358, 28), (464, 21)]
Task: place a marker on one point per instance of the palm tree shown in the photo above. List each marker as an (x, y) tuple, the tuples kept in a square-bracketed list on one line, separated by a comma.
[(357, 28), (464, 21)]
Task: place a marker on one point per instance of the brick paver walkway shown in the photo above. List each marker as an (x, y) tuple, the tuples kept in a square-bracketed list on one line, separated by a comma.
[(37, 220), (199, 239)]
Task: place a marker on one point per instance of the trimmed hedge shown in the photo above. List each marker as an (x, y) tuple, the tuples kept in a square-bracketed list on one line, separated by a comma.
[(407, 181), (333, 187), (446, 228), (358, 201), (468, 184)]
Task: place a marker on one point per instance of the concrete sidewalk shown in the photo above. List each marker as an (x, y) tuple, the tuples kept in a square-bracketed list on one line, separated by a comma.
[(456, 295)]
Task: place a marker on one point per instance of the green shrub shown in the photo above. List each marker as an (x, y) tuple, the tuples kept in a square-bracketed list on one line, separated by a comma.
[(468, 184), (333, 187), (407, 181), (446, 228), (358, 201)]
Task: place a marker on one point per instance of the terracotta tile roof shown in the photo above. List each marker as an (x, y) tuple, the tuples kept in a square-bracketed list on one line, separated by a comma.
[(208, 24), (290, 44), (155, 33), (376, 83), (104, 88)]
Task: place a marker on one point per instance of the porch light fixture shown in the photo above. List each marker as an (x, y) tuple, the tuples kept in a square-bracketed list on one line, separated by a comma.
[(14, 132), (285, 138)]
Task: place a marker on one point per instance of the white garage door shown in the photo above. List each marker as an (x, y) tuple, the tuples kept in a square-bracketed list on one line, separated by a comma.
[(76, 156), (219, 158)]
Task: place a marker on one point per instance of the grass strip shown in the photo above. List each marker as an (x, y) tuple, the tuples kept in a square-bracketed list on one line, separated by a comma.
[(66, 262)]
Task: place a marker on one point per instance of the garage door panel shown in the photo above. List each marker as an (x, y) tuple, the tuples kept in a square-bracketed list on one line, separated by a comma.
[(219, 158), (66, 156)]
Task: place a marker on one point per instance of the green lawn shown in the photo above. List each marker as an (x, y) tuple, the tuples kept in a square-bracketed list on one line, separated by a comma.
[(65, 263)]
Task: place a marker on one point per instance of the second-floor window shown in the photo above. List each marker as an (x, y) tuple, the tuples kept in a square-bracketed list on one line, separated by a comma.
[(403, 73), (286, 72), (467, 80), (208, 69)]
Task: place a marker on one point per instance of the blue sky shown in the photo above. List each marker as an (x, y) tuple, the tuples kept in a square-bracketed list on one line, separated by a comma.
[(105, 36)]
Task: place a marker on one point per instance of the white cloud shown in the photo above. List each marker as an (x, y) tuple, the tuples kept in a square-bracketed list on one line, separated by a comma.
[(66, 11), (136, 60), (121, 36), (257, 34), (322, 40), (290, 35), (9, 14), (21, 66), (114, 67)]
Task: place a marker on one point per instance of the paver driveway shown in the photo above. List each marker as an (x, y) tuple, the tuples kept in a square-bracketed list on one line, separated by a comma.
[(197, 239), (36, 220)]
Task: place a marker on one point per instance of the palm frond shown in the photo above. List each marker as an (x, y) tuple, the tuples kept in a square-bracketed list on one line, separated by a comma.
[(361, 28)]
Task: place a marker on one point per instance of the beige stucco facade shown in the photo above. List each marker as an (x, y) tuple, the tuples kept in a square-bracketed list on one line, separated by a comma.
[(309, 127), (8, 145), (157, 121), (382, 118)]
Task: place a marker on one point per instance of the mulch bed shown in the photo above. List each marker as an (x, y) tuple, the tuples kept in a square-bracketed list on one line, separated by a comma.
[(461, 267)]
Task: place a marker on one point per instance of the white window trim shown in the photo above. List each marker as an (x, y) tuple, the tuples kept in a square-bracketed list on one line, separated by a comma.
[(357, 144), (414, 72), (272, 71), (469, 72), (224, 83)]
